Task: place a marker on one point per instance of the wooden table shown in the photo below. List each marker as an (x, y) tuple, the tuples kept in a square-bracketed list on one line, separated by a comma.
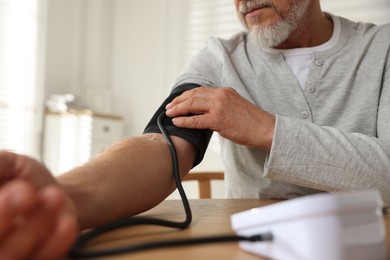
[(210, 218)]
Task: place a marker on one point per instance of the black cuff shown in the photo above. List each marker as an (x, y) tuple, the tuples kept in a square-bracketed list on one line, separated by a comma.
[(199, 137)]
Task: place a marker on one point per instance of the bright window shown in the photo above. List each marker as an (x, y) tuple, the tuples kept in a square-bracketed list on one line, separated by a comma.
[(20, 80), (209, 18), (373, 11)]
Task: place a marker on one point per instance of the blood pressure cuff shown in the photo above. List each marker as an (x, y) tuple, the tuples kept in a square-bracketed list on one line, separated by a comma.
[(199, 137)]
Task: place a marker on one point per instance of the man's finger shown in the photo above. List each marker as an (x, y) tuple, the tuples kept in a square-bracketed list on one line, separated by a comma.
[(60, 240), (7, 165), (17, 198), (23, 240), (193, 122)]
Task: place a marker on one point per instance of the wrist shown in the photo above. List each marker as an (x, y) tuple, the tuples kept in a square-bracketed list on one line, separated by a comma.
[(267, 132), (73, 203), (270, 133)]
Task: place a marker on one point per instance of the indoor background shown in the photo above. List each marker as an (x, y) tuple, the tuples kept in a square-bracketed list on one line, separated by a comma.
[(115, 57)]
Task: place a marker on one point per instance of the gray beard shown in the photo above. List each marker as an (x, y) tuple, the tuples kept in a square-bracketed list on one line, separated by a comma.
[(273, 36), (269, 37)]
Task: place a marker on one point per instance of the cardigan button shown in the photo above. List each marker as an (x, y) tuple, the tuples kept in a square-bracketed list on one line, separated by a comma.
[(305, 114), (311, 89)]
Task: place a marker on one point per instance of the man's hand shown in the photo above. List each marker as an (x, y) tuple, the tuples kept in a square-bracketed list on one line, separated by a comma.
[(226, 112), (37, 219)]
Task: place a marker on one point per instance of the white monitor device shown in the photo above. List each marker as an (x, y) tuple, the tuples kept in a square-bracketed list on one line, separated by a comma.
[(322, 226)]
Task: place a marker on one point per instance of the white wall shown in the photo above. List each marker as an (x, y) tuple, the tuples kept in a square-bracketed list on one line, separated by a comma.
[(130, 48), (64, 48), (144, 58)]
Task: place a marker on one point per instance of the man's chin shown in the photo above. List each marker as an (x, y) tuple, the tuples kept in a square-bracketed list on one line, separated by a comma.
[(269, 36), (260, 39)]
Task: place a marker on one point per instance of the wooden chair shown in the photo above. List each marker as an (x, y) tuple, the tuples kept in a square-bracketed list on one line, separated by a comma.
[(204, 181)]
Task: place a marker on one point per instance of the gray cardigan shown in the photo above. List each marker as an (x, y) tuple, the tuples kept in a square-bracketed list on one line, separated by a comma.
[(332, 135)]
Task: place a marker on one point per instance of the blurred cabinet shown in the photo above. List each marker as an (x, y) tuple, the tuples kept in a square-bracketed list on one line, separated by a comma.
[(72, 138)]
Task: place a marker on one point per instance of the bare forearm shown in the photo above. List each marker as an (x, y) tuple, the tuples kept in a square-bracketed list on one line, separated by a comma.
[(130, 177)]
